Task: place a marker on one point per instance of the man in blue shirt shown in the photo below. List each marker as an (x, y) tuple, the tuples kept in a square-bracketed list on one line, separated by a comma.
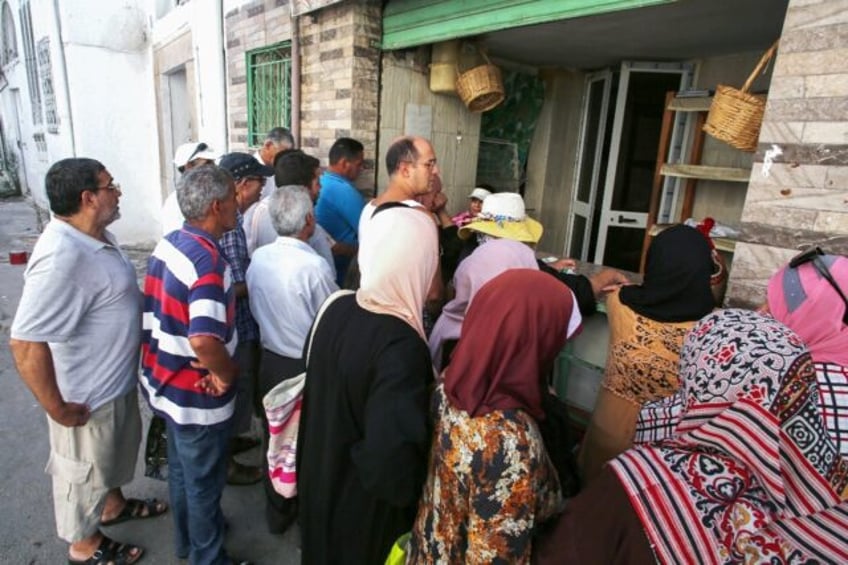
[(340, 203)]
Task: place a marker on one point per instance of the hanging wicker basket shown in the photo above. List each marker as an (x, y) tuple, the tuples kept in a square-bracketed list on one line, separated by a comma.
[(481, 88), (736, 115)]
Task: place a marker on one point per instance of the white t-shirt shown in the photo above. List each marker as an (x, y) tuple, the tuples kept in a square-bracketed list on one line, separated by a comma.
[(81, 297), (172, 217)]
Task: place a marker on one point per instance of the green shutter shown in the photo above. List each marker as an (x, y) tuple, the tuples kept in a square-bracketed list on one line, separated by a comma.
[(268, 90), (407, 23)]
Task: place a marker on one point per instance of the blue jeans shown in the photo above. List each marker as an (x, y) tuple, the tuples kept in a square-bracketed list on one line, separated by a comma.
[(197, 473)]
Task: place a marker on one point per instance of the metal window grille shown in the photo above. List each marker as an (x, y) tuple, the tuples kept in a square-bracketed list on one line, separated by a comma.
[(45, 72), (268, 90), (31, 63)]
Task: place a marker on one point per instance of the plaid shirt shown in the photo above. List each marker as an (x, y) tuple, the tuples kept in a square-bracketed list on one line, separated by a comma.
[(833, 402), (234, 245)]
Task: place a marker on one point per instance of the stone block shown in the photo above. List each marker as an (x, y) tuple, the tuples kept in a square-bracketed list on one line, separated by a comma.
[(782, 175), (808, 109), (809, 62), (815, 14), (829, 132), (834, 220), (768, 214), (836, 178), (781, 132), (786, 87), (830, 85)]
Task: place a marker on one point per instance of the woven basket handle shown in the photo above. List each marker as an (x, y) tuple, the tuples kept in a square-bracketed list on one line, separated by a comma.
[(479, 51), (764, 60)]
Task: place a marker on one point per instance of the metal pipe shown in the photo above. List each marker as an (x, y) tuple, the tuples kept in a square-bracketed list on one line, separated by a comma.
[(295, 80), (65, 76)]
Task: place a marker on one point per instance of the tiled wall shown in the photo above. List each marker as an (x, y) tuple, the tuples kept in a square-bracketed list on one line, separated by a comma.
[(340, 57), (798, 194)]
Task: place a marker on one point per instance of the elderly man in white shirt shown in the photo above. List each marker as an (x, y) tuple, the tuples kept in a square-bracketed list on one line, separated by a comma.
[(287, 282)]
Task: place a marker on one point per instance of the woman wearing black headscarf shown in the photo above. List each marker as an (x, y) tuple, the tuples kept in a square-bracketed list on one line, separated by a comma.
[(647, 325)]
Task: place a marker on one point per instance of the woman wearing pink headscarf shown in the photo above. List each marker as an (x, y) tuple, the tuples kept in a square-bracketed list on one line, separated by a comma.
[(809, 296)]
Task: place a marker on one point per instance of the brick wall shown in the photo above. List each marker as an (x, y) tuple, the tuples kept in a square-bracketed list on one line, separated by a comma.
[(801, 198), (339, 71)]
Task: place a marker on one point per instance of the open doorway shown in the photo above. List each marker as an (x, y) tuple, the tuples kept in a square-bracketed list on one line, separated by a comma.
[(622, 117)]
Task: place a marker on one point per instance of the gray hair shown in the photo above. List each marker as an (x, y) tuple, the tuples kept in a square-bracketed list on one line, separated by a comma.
[(280, 136), (289, 205), (199, 187)]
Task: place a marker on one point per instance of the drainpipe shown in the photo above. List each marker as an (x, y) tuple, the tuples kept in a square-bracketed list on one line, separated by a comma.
[(295, 80), (65, 76)]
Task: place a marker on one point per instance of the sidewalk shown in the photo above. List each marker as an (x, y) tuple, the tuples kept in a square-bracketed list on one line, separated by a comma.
[(27, 529)]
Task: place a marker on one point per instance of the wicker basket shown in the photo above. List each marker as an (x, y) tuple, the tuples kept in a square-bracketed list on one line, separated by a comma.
[(481, 88), (735, 115)]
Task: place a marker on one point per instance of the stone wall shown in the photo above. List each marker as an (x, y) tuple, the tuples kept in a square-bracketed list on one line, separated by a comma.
[(340, 55), (798, 194)]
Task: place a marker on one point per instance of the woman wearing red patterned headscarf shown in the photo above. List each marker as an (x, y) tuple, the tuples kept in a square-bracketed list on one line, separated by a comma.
[(746, 471)]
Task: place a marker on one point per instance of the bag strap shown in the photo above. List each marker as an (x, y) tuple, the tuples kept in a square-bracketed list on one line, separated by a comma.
[(321, 310), (388, 205)]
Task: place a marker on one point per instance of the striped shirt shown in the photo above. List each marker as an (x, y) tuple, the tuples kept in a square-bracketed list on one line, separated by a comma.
[(187, 293)]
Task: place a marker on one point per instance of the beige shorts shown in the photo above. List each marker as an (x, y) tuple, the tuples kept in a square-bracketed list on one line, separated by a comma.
[(87, 461)]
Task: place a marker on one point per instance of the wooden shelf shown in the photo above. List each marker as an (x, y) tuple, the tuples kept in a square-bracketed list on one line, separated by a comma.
[(691, 104), (705, 172), (721, 243)]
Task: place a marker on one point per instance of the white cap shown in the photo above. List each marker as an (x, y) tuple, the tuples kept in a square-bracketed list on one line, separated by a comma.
[(479, 193), (188, 152)]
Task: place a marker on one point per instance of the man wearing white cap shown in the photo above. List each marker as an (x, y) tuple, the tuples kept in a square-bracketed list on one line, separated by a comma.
[(188, 156)]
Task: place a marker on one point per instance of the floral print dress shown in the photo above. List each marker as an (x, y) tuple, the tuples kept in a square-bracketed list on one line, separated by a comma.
[(489, 484)]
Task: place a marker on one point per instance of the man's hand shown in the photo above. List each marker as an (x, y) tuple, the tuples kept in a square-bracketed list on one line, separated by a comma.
[(606, 281), (213, 385), (563, 264), (70, 414)]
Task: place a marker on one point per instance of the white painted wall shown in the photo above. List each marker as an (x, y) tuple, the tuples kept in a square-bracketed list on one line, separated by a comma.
[(103, 77)]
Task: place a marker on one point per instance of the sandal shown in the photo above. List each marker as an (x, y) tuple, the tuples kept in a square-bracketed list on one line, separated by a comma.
[(136, 509), (111, 552)]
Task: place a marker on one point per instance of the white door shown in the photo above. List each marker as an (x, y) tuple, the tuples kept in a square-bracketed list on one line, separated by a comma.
[(591, 164), (632, 159)]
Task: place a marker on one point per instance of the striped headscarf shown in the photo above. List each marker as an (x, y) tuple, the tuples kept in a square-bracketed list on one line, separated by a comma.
[(749, 473)]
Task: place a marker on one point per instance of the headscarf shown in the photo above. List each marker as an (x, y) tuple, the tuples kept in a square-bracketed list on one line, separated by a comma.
[(748, 473), (676, 286), (514, 329), (398, 256), (803, 300), (486, 262)]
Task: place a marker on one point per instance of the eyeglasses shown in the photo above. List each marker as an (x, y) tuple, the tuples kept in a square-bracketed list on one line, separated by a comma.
[(111, 187), (813, 255)]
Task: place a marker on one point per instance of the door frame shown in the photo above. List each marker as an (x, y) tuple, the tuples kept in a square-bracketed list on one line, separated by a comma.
[(579, 207), (634, 220)]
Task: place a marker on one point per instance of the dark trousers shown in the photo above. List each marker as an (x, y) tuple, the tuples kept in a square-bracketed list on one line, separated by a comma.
[(280, 512)]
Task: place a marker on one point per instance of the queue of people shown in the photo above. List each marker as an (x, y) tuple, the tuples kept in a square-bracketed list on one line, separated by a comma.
[(427, 427)]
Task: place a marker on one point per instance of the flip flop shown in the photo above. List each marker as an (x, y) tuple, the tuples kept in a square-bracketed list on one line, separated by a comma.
[(136, 509), (111, 552)]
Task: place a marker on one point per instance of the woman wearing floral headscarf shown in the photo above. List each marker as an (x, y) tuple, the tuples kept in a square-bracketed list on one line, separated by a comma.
[(747, 472), (490, 481), (801, 296)]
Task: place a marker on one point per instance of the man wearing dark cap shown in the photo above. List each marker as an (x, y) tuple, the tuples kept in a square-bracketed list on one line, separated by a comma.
[(249, 176)]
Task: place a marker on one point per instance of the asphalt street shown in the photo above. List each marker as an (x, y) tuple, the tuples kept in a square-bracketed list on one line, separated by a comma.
[(27, 529)]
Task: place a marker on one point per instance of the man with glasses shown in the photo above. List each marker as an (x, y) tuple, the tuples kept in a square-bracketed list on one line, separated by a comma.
[(249, 176), (187, 157), (75, 340)]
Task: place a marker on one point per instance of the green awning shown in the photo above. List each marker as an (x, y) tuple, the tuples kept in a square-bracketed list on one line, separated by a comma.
[(408, 23)]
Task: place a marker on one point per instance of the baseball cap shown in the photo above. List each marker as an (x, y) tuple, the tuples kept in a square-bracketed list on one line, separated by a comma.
[(188, 152), (479, 193), (242, 165)]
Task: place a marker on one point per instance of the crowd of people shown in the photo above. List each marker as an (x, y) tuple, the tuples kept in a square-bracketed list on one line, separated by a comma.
[(428, 428)]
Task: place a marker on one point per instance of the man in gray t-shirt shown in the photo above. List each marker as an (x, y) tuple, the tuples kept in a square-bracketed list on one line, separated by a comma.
[(75, 340)]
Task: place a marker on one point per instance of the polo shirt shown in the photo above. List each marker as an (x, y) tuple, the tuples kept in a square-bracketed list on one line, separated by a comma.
[(81, 297), (187, 292), (287, 282), (337, 210)]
